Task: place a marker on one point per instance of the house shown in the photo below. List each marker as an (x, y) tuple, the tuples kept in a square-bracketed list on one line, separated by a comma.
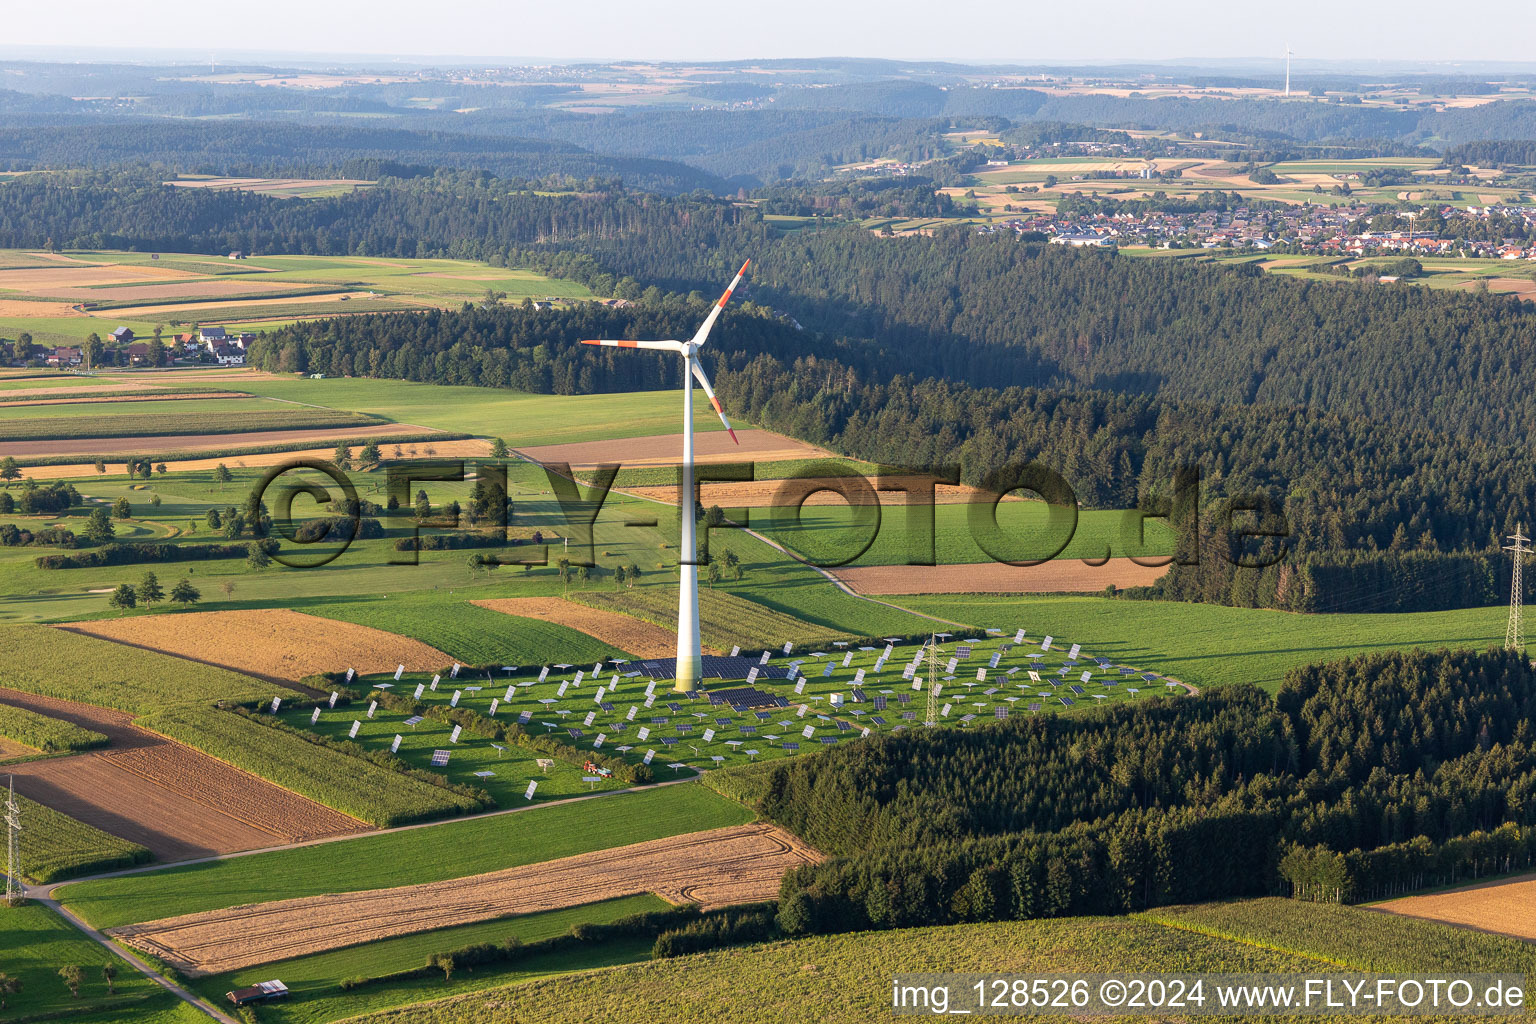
[(237, 255), (64, 355), (208, 334), (122, 334), (139, 354), (1079, 240), (226, 353)]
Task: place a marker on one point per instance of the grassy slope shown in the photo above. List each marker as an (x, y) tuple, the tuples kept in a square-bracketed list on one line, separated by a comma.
[(1210, 645), (846, 978), (35, 943), (314, 979), (449, 850)]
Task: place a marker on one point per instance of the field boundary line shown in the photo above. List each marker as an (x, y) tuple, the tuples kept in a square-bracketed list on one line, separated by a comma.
[(1151, 917)]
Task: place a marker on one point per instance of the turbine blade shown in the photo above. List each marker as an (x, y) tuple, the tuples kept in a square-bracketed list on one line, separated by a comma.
[(714, 312), (664, 346), (698, 372)]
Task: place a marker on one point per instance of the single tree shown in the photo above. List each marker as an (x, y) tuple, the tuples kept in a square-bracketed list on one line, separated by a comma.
[(185, 593), (713, 573), (343, 456), (155, 500), (631, 575), (228, 586), (423, 507), (256, 556), (9, 986), (618, 576), (9, 470), (370, 455), (121, 509), (392, 503), (214, 519), (583, 575), (160, 468), (74, 977), (149, 590), (109, 975), (123, 597), (498, 449), (563, 567), (445, 963), (7, 503), (222, 474), (98, 526), (90, 352), (101, 465), (234, 524), (732, 564)]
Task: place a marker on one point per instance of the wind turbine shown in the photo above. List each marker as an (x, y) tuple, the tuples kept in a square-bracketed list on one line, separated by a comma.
[(1288, 54), (690, 654)]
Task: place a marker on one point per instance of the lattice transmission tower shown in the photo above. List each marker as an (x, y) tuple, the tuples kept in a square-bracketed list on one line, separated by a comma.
[(13, 893), (1514, 635), (933, 681)]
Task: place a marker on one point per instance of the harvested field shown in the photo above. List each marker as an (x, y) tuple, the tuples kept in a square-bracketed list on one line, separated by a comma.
[(667, 450), (196, 288), (445, 449), (61, 281), (173, 800), (10, 748), (1064, 575), (1505, 907), (764, 493), (159, 443), (273, 643), (640, 638), (740, 864), (277, 302)]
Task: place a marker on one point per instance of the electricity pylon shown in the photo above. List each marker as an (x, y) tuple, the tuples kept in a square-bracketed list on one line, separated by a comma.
[(933, 681), (13, 893), (1514, 635)]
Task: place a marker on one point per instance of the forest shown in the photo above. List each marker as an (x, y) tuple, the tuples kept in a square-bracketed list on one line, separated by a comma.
[(1425, 759)]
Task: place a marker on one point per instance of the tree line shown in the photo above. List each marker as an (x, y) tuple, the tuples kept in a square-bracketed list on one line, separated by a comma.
[(1171, 800)]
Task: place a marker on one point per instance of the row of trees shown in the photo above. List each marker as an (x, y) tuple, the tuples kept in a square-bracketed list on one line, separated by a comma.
[(149, 593)]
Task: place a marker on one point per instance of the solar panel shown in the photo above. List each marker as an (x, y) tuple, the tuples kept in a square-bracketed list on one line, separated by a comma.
[(879, 703), (414, 720), (877, 720), (674, 707), (962, 652), (439, 759), (749, 730), (1033, 707), (669, 740), (788, 745), (904, 698), (1076, 689), (1066, 701), (966, 718), (843, 726), (575, 733), (910, 716), (999, 712), (829, 740)]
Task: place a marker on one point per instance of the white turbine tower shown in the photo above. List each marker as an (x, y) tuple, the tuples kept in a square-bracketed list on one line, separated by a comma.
[(1288, 55), (690, 654)]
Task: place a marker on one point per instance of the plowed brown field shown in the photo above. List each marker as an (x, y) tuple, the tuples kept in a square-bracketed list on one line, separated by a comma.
[(177, 802), (1507, 907), (273, 643), (642, 639), (1066, 575), (121, 394), (722, 866), (667, 449)]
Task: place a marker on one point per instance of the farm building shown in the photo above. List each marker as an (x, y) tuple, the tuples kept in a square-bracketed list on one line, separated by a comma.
[(261, 992), (122, 334)]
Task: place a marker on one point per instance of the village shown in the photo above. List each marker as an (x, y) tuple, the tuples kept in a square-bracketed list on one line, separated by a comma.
[(121, 347)]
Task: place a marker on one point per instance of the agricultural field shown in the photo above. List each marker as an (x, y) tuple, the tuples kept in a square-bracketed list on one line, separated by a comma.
[(46, 734), (1502, 906), (57, 663), (60, 847), (407, 857), (37, 942), (272, 643), (61, 300), (742, 864), (1209, 645), (318, 999)]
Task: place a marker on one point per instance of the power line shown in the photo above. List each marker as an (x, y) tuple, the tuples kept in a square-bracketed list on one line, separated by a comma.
[(1514, 635), (13, 893)]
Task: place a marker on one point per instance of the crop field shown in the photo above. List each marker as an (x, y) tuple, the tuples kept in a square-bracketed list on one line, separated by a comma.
[(49, 735), (624, 633), (37, 942), (412, 856), (69, 423), (59, 847), (317, 998), (354, 786), (43, 297), (666, 450), (725, 619), (273, 643), (1061, 575), (741, 864), (57, 663), (1209, 645), (847, 976), (161, 795), (1500, 906)]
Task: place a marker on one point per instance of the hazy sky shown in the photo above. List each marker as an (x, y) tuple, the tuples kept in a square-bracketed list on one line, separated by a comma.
[(1021, 30)]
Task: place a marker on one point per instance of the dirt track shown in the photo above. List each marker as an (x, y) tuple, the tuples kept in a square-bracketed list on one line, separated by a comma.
[(177, 802), (1507, 907), (667, 450), (642, 639), (273, 643), (150, 445), (723, 866), (1067, 575)]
